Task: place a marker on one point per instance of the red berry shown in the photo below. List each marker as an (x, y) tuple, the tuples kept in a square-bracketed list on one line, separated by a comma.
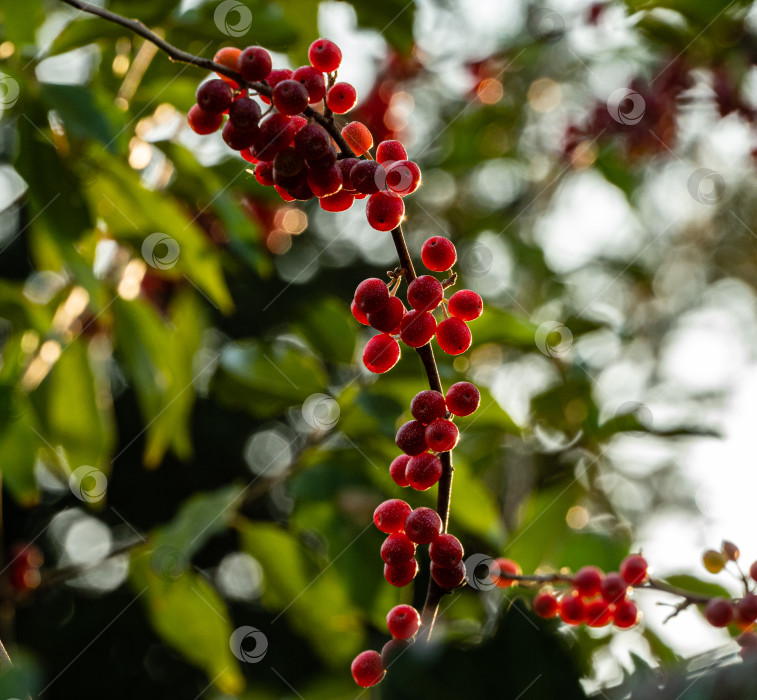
[(246, 153), (360, 316), (274, 78), (244, 113), (425, 293), (397, 549), (597, 613), (411, 438), (341, 98), (466, 305), (462, 399), (719, 612), (324, 55), (403, 177), (625, 615), (339, 201), (403, 621), (588, 581), (254, 63), (448, 577), (288, 163), (747, 608), (438, 254), (446, 551), (381, 353), (283, 194), (202, 122), (264, 174), (442, 435), (390, 150), (634, 569), (423, 525), (417, 328), (214, 96), (237, 139), (276, 133), (390, 515), (545, 605), (346, 165), (366, 175), (312, 141), (367, 669), (427, 406), (453, 336), (371, 295), (325, 182), (504, 566), (313, 82), (423, 471), (398, 470), (392, 650), (325, 162), (753, 571), (572, 609), (358, 137), (228, 56), (290, 97), (401, 574), (614, 588)]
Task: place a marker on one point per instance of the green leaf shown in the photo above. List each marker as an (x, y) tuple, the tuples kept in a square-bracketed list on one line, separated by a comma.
[(19, 443), (393, 19), (20, 20), (691, 583), (329, 329)]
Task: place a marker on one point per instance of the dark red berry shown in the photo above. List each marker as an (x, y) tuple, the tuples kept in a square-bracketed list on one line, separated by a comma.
[(463, 398), (367, 669), (254, 63), (244, 113), (246, 153), (325, 182), (597, 613), (401, 574), (388, 318), (545, 605), (363, 176), (290, 97), (572, 609), (312, 141), (448, 577), (753, 571), (237, 139), (312, 80), (371, 295), (504, 566), (381, 353), (403, 177), (442, 435), (276, 133), (214, 96), (719, 612), (360, 316), (397, 549), (283, 194), (417, 328), (403, 621), (264, 174), (274, 78), (341, 98), (390, 515), (425, 293), (392, 650), (358, 137), (446, 551), (438, 254), (346, 165), (411, 438), (588, 581), (423, 525), (202, 122), (747, 608), (453, 336), (423, 471), (324, 55), (288, 163), (390, 151), (634, 569), (339, 201), (614, 587), (325, 162), (398, 470), (466, 304), (626, 614), (427, 406)]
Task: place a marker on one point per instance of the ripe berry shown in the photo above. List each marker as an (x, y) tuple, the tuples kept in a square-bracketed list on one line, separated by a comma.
[(634, 569), (367, 669), (283, 194), (425, 293), (466, 305), (364, 178), (713, 561), (448, 577), (312, 141), (214, 96), (423, 525), (244, 113), (427, 406), (753, 571), (438, 254), (360, 316), (339, 201), (202, 122), (411, 438), (597, 613), (274, 78), (453, 336), (390, 515), (313, 82), (719, 612), (614, 587), (588, 581), (625, 615), (463, 398), (237, 139), (403, 621), (423, 471), (341, 98), (446, 551), (254, 63), (381, 353), (246, 153), (417, 328), (442, 435), (401, 574), (324, 55), (504, 566), (388, 318), (228, 56), (389, 151), (747, 608), (545, 605), (397, 549), (572, 609), (358, 137), (290, 97), (325, 162), (276, 132), (371, 295), (403, 177), (398, 470), (346, 165), (325, 182), (264, 174), (288, 163), (392, 650)]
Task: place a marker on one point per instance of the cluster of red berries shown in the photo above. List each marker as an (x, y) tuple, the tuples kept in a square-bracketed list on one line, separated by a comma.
[(25, 562), (376, 304), (596, 599), (295, 155)]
